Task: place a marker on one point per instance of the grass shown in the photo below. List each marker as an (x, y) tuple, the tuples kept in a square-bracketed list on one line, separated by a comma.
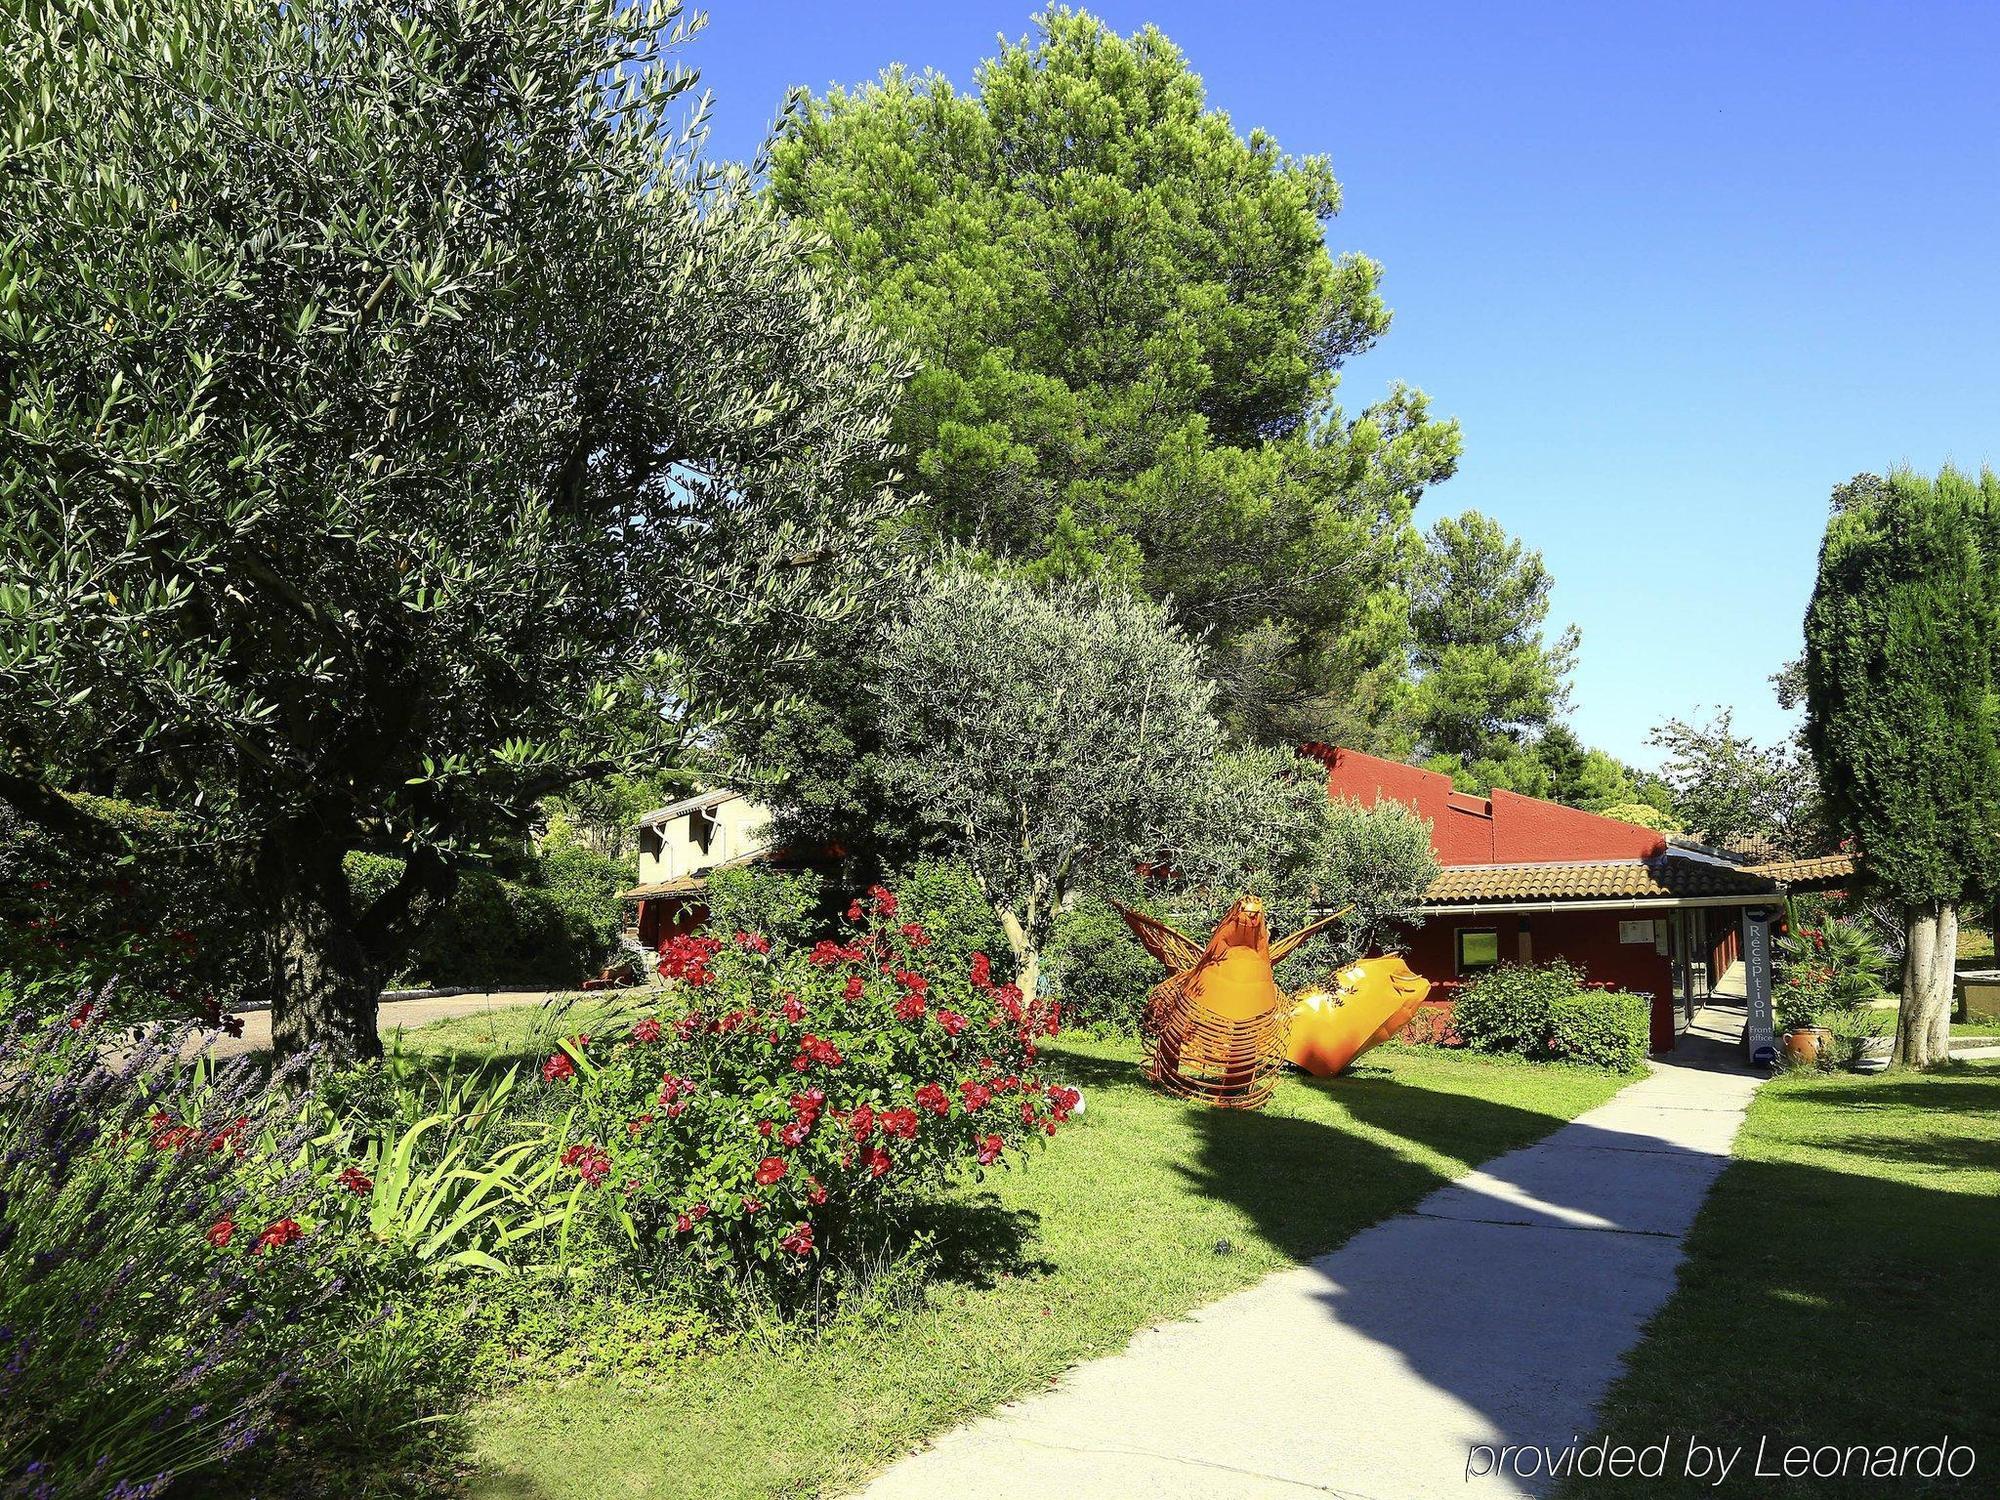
[(1143, 1209), (1838, 1287)]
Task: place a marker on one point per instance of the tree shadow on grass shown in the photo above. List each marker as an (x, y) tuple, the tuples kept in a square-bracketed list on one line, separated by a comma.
[(1309, 1185), (977, 1240)]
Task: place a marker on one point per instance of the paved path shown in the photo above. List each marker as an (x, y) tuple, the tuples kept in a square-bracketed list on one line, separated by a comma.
[(391, 1015), (1495, 1312)]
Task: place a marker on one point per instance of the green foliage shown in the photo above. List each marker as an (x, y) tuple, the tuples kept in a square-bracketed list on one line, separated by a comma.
[(151, 906), (780, 1099), (1376, 860), (1643, 814), (1902, 700), (1486, 681), (1101, 975), (943, 896), (1728, 789), (1054, 739), (1130, 330), (554, 928), (787, 906), (380, 412), (1547, 1012), (1600, 1029), (1825, 969)]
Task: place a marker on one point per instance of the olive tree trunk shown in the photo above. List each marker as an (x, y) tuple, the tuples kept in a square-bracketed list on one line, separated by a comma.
[(1923, 1020), (324, 982)]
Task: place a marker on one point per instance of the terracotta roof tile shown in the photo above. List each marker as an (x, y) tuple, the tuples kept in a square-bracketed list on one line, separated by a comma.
[(1794, 871), (1607, 880)]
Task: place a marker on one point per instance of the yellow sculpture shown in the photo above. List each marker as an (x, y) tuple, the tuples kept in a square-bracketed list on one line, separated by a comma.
[(1376, 999), (1215, 1028)]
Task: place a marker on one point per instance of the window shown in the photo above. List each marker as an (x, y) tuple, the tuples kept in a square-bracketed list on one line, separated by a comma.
[(1478, 948)]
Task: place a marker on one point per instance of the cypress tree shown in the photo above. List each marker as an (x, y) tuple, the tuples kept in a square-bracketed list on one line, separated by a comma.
[(1902, 715)]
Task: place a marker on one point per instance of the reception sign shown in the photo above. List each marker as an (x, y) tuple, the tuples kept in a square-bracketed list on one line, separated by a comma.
[(1758, 1039)]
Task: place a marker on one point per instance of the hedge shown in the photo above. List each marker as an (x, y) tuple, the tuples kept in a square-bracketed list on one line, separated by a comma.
[(1548, 1013)]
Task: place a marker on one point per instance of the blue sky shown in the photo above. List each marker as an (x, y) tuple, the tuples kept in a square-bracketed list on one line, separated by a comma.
[(1677, 268)]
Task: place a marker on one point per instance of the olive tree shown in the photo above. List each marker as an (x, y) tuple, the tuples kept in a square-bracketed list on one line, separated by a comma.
[(1903, 713), (1055, 737), (380, 385)]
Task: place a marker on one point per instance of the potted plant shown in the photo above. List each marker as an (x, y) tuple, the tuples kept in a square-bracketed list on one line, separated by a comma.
[(1828, 977)]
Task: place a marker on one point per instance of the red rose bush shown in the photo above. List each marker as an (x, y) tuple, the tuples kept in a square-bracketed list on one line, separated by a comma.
[(780, 1098)]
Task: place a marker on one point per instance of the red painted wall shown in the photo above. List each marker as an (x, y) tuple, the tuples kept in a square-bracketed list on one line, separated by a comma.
[(1587, 939), (1505, 828)]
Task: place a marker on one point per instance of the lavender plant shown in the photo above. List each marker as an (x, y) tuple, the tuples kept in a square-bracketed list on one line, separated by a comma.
[(160, 1221)]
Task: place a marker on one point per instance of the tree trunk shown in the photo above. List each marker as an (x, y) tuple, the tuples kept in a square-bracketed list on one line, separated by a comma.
[(1026, 950), (1917, 1018), (1944, 975), (324, 981)]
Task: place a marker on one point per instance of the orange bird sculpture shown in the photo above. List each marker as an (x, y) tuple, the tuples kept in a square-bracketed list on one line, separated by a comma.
[(1216, 1027)]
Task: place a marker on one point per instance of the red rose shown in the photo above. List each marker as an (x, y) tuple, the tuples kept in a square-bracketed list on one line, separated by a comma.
[(990, 1148), (877, 1160), (952, 1022), (815, 1194), (914, 934), (854, 988), (220, 1233), (647, 1030), (558, 1066), (591, 1164), (799, 1241), (794, 1009), (885, 902), (682, 1223), (751, 1205), (854, 911), (355, 1181), (861, 1121), (909, 1006), (277, 1236), (900, 1123), (808, 1104), (795, 1133), (932, 1098), (764, 1128), (976, 1094), (769, 1170), (753, 942), (982, 970)]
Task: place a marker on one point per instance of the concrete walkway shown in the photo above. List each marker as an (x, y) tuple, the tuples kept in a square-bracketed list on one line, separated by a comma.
[(1496, 1312)]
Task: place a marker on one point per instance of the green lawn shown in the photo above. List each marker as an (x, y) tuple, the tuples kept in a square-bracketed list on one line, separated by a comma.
[(1839, 1285), (1143, 1209)]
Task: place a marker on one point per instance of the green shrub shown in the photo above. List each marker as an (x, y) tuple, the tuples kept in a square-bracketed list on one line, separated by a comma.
[(787, 906), (1604, 1028), (1545, 1012), (159, 908), (1507, 1009), (780, 1097), (496, 931), (942, 896), (1098, 969)]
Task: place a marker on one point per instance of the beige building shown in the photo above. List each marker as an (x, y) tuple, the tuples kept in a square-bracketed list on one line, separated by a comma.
[(680, 845)]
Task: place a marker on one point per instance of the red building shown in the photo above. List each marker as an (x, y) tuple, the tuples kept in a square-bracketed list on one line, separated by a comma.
[(1524, 880)]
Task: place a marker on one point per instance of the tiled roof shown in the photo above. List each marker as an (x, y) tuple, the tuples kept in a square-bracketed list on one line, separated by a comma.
[(694, 885), (1796, 871), (1608, 880)]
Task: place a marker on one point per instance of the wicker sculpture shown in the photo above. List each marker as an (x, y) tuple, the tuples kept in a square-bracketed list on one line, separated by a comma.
[(1215, 1028)]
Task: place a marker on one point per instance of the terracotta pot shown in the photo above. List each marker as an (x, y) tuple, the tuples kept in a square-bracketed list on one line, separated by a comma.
[(1804, 1044)]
